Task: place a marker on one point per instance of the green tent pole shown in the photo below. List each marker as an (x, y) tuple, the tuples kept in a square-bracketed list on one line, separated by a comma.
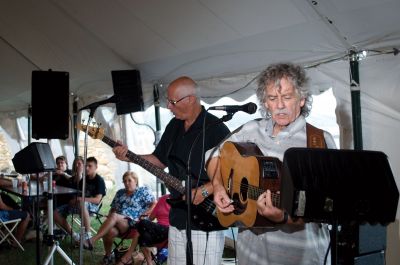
[(29, 124), (355, 101), (156, 95), (75, 130)]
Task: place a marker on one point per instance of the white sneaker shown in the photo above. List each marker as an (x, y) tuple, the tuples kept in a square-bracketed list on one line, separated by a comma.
[(76, 236), (87, 235)]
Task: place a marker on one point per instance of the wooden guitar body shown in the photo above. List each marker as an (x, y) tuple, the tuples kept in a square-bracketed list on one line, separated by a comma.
[(246, 174)]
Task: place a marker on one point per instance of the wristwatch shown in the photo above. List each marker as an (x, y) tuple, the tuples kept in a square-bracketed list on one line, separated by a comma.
[(204, 191), (285, 218)]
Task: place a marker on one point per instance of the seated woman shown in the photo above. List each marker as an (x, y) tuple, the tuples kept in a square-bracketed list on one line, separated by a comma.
[(126, 208), (7, 213), (150, 233)]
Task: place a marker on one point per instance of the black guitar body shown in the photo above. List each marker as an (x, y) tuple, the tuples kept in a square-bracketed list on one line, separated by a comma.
[(201, 217)]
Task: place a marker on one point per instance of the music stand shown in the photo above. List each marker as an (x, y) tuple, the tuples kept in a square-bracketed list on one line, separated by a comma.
[(338, 187), (35, 158)]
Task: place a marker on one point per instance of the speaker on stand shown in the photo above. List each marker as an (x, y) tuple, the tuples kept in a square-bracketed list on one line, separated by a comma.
[(50, 94), (36, 158), (128, 89)]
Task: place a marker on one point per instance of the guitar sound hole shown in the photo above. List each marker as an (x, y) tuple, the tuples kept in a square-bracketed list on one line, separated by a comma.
[(244, 187), (239, 207)]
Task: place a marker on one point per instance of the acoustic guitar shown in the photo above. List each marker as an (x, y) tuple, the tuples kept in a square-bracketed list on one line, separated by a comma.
[(246, 174), (203, 215)]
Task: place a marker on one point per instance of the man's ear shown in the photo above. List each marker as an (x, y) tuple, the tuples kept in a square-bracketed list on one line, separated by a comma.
[(302, 102)]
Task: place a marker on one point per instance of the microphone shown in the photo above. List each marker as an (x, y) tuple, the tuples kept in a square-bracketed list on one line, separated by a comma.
[(94, 105), (249, 108)]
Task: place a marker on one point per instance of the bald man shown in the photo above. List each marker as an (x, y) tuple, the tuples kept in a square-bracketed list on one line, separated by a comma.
[(183, 137)]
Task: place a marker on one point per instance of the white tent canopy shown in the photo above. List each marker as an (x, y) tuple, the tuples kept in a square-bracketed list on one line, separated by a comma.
[(165, 39), (223, 44)]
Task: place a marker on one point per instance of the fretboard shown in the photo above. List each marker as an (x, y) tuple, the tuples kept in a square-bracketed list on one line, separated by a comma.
[(168, 179), (255, 192)]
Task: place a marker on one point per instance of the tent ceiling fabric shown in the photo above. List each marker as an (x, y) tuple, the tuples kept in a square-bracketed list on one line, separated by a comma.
[(205, 39)]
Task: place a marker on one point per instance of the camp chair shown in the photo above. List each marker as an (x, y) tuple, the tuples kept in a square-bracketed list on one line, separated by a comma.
[(162, 252), (98, 216), (161, 247), (6, 231)]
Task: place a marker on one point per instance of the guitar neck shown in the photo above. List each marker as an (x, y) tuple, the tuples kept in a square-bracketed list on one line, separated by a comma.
[(156, 171), (255, 192)]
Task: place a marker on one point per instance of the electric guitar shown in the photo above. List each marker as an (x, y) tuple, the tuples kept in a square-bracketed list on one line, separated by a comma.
[(246, 174), (203, 215)]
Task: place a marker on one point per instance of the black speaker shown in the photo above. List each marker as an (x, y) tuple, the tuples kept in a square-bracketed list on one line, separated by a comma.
[(36, 157), (128, 90), (50, 94)]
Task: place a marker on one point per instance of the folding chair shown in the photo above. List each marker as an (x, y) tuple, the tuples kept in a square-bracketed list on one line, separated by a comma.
[(162, 253), (6, 231), (95, 214)]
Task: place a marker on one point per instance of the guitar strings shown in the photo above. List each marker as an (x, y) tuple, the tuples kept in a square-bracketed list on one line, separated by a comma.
[(256, 191)]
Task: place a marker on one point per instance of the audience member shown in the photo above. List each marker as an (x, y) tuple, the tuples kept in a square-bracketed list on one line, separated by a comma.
[(128, 205), (150, 233), (95, 191), (7, 213), (7, 198)]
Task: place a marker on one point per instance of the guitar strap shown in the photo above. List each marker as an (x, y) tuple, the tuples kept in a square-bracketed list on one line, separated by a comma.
[(315, 137)]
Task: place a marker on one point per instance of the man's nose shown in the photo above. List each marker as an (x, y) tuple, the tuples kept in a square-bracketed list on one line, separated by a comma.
[(281, 104)]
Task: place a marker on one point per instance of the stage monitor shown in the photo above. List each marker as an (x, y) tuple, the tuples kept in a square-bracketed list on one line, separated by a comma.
[(36, 157), (341, 185), (128, 90)]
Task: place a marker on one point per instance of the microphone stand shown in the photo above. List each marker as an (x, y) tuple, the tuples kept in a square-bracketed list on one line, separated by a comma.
[(188, 185), (85, 145), (189, 245)]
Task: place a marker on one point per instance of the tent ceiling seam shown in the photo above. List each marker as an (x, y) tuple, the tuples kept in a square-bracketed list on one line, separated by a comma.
[(97, 38), (20, 53), (330, 24)]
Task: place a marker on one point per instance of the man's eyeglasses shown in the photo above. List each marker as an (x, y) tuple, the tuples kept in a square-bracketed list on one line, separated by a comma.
[(174, 102)]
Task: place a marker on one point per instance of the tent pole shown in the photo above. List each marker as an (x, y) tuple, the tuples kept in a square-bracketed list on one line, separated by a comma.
[(156, 95), (29, 124), (355, 100), (75, 122)]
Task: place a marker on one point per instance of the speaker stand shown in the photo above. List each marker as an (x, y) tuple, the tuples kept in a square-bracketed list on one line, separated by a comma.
[(55, 246)]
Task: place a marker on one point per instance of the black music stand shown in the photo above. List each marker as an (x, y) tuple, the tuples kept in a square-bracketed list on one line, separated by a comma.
[(338, 187), (33, 159)]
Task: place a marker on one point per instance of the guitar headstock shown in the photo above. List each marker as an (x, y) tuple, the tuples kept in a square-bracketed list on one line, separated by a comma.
[(94, 132)]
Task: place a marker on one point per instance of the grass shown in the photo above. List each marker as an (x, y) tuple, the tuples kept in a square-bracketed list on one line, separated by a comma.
[(11, 256)]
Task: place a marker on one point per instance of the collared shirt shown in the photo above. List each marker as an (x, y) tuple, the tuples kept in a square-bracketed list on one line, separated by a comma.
[(178, 147), (290, 244), (260, 132), (134, 205)]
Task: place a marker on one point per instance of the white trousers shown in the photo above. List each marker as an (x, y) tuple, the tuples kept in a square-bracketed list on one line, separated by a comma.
[(207, 250)]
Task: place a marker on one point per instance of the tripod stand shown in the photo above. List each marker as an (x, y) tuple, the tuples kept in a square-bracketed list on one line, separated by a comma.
[(50, 237), (37, 157)]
